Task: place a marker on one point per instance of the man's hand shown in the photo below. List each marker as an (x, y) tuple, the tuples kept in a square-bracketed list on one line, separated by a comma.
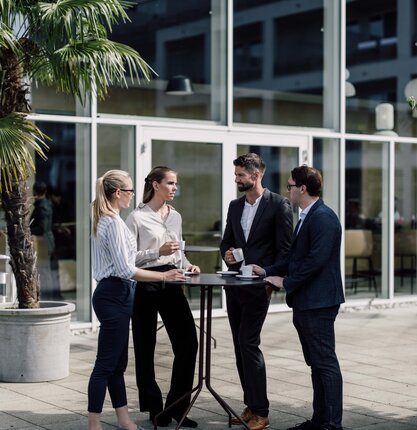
[(229, 258), (276, 281), (258, 270)]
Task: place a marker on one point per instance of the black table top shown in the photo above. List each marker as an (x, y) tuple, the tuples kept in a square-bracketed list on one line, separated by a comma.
[(213, 279)]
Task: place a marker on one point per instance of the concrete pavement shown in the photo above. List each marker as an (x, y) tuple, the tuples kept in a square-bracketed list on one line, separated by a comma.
[(376, 348)]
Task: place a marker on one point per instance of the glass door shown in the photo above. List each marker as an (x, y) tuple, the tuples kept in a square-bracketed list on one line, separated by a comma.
[(203, 160)]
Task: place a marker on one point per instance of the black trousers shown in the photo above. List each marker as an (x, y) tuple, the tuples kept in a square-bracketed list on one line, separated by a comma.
[(316, 332), (112, 302), (176, 315), (247, 307)]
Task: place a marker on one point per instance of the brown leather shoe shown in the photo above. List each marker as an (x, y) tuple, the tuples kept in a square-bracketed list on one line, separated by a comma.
[(258, 423), (246, 415)]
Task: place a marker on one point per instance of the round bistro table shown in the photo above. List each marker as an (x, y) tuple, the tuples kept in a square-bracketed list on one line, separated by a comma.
[(206, 282)]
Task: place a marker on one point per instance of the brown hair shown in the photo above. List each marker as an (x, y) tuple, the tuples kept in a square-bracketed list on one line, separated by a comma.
[(156, 174), (250, 162), (310, 177)]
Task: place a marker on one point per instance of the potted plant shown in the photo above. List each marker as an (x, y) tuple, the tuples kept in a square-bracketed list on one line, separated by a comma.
[(64, 44)]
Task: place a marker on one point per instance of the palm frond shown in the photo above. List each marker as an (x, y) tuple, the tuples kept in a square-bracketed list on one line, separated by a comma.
[(71, 15), (18, 137), (93, 66), (7, 38)]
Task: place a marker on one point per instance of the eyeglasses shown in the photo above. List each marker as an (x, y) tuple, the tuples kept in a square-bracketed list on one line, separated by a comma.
[(130, 191), (289, 186)]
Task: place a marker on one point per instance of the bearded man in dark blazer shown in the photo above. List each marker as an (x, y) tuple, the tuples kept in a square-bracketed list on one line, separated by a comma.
[(313, 286), (260, 222)]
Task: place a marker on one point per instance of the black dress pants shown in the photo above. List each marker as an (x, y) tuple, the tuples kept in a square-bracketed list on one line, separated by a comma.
[(112, 302), (171, 304), (315, 329), (247, 307)]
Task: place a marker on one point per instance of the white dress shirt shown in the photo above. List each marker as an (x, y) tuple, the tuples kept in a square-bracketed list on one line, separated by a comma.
[(248, 214)]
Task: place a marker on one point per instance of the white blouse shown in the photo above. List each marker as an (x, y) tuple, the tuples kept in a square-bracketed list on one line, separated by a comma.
[(151, 232)]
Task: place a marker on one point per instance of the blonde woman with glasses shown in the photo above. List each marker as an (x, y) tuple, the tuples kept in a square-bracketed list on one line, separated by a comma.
[(113, 262)]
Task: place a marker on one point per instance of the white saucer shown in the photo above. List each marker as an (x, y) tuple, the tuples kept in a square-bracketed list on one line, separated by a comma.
[(247, 278), (227, 273)]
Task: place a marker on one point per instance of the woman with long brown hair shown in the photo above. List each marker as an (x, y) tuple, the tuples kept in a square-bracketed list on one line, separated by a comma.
[(158, 230)]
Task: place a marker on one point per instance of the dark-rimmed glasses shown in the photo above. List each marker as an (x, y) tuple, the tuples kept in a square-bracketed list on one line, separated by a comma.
[(130, 191), (289, 186)]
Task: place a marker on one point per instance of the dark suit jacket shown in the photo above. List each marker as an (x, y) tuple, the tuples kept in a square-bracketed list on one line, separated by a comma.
[(313, 264), (270, 235)]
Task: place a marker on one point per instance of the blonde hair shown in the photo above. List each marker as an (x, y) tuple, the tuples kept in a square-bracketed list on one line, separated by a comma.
[(106, 185)]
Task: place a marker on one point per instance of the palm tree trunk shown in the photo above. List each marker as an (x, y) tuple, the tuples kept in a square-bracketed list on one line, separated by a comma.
[(22, 254)]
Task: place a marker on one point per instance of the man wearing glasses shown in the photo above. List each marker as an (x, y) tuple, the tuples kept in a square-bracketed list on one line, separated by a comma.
[(314, 290), (260, 223)]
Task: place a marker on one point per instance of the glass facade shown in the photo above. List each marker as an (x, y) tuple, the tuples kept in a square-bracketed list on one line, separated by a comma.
[(321, 82)]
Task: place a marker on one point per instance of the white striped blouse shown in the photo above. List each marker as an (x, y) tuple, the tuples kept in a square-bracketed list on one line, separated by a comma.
[(113, 249)]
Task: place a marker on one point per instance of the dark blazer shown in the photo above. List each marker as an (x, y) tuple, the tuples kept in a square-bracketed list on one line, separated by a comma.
[(270, 235), (313, 264)]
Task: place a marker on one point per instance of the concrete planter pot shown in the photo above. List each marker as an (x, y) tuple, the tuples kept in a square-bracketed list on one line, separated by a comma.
[(34, 343)]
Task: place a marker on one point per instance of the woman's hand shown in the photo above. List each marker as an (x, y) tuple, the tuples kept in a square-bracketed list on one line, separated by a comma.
[(174, 275), (193, 269), (169, 248)]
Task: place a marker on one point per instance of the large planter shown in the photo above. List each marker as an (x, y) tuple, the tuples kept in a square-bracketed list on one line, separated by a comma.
[(34, 343)]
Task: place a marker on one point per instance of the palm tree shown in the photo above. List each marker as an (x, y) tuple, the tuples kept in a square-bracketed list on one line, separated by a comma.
[(61, 43)]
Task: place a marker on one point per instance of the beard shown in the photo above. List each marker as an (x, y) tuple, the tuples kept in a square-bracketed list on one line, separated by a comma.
[(244, 187)]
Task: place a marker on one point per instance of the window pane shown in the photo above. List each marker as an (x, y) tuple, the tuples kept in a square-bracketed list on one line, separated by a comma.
[(405, 244), (115, 150), (279, 69), (175, 39), (47, 100), (198, 200), (364, 218), (66, 273), (326, 159), (380, 58)]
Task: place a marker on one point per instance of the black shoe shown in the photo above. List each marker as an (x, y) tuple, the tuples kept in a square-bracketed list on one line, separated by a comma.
[(163, 420), (330, 427), (306, 425), (187, 423)]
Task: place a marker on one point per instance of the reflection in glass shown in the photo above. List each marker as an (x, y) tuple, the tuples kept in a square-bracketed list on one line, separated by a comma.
[(175, 38), (364, 218), (279, 69), (198, 200), (47, 100), (381, 61), (67, 271), (405, 243), (115, 150)]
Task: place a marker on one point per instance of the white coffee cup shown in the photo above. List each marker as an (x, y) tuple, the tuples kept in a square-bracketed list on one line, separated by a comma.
[(181, 244), (238, 254), (246, 270)]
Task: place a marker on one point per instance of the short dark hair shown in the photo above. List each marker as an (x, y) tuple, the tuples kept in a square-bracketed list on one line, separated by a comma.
[(250, 162), (39, 188), (310, 177)]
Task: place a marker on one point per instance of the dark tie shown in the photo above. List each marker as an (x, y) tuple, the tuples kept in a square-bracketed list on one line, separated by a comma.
[(297, 227)]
